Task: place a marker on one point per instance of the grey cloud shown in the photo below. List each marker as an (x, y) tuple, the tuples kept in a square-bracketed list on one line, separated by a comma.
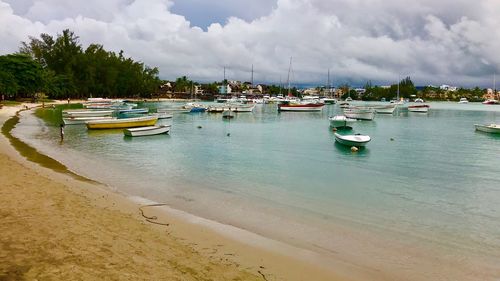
[(448, 41)]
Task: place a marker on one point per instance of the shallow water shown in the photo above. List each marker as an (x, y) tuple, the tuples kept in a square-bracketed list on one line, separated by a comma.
[(424, 178)]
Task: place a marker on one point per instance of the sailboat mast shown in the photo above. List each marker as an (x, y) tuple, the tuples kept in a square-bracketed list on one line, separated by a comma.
[(251, 81), (288, 79), (399, 82), (329, 86)]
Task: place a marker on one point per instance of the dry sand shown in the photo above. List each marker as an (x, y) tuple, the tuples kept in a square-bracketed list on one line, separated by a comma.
[(54, 227)]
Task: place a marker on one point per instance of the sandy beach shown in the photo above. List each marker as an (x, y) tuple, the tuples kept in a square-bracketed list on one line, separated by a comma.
[(55, 227)]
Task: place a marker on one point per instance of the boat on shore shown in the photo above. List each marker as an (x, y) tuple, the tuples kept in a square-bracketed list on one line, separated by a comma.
[(357, 140), (360, 113), (147, 131), (491, 128), (421, 108), (83, 120), (122, 123), (340, 121)]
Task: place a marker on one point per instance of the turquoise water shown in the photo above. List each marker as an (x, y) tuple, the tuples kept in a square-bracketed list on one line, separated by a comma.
[(282, 174)]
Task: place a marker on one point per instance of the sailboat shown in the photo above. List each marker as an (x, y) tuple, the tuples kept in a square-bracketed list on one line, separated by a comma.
[(292, 105), (493, 100), (328, 99)]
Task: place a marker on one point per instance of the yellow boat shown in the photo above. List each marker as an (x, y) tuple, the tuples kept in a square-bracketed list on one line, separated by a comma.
[(122, 123)]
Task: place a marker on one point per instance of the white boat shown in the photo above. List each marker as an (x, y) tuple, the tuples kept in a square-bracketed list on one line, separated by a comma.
[(359, 113), (385, 109), (163, 115), (340, 121), (240, 107), (302, 106), (419, 100), (492, 128), (423, 108), (348, 99), (173, 110), (86, 113), (82, 120), (352, 140), (463, 100), (147, 131), (228, 114)]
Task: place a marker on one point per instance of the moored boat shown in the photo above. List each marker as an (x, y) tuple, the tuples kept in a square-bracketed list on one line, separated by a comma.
[(359, 113), (352, 140), (82, 120), (344, 105), (463, 100), (490, 101), (492, 128), (86, 113), (163, 115), (421, 108), (147, 131), (303, 107), (340, 121), (122, 123), (385, 109), (134, 110)]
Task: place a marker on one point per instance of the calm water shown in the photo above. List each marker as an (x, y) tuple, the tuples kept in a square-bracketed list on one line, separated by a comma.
[(436, 182)]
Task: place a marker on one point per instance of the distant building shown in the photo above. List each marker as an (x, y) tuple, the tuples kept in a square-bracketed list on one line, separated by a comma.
[(225, 90)]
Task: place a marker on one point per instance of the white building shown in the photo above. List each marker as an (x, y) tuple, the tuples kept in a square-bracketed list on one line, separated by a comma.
[(225, 89), (448, 88)]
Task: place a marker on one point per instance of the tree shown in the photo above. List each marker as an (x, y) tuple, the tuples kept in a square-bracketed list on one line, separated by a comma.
[(26, 72)]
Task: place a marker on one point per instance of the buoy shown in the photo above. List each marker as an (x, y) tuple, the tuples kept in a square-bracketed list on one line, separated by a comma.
[(392, 139), (199, 127), (228, 134), (354, 149)]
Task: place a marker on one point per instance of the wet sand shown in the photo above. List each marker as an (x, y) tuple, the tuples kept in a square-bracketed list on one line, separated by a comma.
[(58, 227)]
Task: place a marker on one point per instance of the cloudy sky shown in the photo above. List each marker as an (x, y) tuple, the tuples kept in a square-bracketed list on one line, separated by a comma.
[(435, 42)]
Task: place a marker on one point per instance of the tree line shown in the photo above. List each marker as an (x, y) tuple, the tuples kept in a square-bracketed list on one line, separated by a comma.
[(62, 68)]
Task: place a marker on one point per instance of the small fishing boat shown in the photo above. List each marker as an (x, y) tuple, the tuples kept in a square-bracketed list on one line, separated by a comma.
[(360, 113), (352, 140), (163, 115), (86, 113), (340, 121), (492, 128), (303, 107), (463, 100), (228, 114), (147, 131), (134, 110), (194, 107), (385, 109), (122, 123), (421, 108), (344, 105), (82, 120)]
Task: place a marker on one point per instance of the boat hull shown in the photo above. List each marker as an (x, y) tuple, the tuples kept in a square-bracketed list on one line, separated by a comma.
[(352, 140), (301, 107), (419, 108), (147, 131), (122, 123), (340, 121), (83, 120), (492, 129), (389, 109), (360, 115), (87, 113)]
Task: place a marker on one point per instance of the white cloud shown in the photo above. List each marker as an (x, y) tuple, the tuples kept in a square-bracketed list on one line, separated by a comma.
[(448, 41)]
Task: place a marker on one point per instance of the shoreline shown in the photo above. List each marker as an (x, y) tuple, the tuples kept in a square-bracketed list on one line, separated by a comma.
[(260, 258)]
